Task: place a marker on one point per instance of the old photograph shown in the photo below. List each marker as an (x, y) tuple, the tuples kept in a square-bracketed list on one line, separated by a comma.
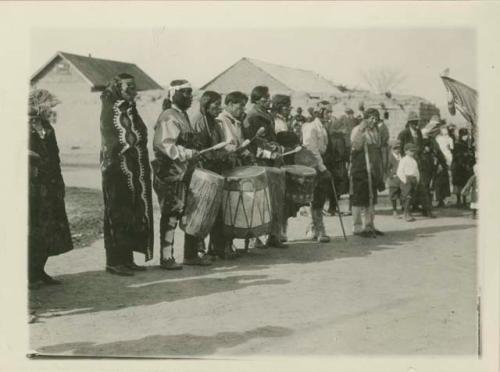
[(276, 197), (215, 183)]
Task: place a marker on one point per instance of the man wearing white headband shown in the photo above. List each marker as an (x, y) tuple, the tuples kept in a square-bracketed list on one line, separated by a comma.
[(174, 145)]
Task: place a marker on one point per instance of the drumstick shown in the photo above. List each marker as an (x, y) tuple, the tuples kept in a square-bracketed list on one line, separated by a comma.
[(297, 149), (247, 142), (215, 147)]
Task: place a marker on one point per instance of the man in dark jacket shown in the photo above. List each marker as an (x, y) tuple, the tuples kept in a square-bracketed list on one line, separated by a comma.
[(264, 147), (336, 159), (412, 134)]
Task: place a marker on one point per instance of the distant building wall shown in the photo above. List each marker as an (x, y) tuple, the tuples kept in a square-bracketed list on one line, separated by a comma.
[(78, 113)]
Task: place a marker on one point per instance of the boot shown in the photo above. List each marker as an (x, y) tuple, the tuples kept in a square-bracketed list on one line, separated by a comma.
[(275, 242), (284, 228), (320, 227), (311, 232)]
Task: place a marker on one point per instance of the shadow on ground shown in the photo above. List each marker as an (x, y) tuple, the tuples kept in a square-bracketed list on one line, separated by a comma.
[(95, 291), (167, 345)]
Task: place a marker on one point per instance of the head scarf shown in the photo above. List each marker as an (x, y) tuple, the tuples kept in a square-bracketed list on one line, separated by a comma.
[(176, 85)]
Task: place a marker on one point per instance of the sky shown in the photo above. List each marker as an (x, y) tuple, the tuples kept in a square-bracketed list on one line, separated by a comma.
[(341, 55)]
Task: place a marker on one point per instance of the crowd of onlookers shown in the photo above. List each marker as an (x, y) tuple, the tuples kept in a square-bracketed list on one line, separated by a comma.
[(445, 158)]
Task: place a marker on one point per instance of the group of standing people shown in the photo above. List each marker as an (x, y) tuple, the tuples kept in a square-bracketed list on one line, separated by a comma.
[(441, 161), (350, 156)]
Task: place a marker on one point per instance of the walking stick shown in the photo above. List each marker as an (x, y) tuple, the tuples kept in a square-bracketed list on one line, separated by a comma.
[(338, 208)]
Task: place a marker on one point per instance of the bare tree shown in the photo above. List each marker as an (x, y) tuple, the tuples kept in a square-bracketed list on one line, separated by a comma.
[(383, 80)]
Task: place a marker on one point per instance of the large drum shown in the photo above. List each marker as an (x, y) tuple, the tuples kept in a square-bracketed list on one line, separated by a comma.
[(300, 182), (203, 202), (276, 182), (246, 208)]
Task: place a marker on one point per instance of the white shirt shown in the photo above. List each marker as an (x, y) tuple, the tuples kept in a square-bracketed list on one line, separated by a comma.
[(231, 127), (407, 167), (315, 139), (446, 145), (280, 124)]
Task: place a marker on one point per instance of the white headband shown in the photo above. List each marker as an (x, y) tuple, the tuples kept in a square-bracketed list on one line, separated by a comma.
[(175, 88)]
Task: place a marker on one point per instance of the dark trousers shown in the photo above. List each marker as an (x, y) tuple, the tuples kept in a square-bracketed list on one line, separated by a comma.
[(409, 188), (425, 195), (218, 242), (320, 193)]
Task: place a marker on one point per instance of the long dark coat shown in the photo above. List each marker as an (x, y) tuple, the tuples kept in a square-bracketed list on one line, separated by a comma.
[(49, 232), (126, 177)]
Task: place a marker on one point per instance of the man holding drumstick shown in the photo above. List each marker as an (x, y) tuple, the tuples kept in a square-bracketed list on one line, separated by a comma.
[(174, 145), (265, 148)]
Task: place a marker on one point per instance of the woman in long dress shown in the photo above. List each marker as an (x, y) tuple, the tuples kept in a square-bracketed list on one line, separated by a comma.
[(49, 232)]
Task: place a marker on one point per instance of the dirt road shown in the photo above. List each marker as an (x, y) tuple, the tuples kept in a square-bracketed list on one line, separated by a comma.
[(410, 292)]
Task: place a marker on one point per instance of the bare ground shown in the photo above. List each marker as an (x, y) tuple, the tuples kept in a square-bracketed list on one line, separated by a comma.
[(412, 291)]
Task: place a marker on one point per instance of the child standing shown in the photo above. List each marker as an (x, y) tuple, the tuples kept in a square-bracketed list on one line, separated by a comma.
[(470, 189), (392, 177), (409, 176)]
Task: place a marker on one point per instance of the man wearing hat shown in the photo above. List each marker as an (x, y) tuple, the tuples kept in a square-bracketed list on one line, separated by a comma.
[(430, 157), (409, 176), (411, 134), (366, 173), (174, 145)]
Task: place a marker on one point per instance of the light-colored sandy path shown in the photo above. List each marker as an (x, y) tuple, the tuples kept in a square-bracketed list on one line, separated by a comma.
[(410, 292)]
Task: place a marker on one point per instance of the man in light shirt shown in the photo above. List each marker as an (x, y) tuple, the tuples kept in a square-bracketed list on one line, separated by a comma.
[(315, 139), (409, 176), (230, 117)]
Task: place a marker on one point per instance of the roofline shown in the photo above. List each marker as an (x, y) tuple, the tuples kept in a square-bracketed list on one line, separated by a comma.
[(61, 54), (299, 69), (253, 64), (222, 73), (93, 87)]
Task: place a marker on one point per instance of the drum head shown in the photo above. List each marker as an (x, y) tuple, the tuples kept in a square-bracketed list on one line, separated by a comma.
[(245, 172), (205, 174), (300, 170), (305, 157)]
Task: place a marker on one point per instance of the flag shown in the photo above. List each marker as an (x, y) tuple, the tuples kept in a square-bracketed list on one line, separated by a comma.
[(461, 97)]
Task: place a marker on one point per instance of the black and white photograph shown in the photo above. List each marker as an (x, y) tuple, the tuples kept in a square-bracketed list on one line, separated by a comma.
[(202, 192)]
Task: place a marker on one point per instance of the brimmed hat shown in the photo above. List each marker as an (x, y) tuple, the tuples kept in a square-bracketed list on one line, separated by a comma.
[(371, 111), (410, 147), (412, 116), (396, 144), (349, 111)]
